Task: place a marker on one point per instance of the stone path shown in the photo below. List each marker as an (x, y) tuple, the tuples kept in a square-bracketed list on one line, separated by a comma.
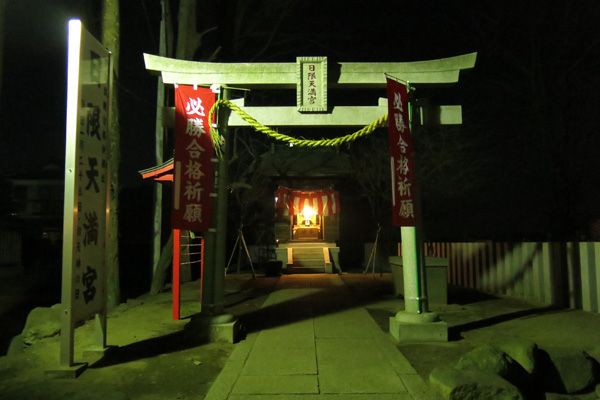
[(312, 340)]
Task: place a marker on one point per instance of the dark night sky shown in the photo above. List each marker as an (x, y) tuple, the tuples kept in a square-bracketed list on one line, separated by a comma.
[(529, 139), (35, 59), (35, 84)]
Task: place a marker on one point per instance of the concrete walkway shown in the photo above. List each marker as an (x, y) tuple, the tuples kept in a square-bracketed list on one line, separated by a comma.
[(312, 340)]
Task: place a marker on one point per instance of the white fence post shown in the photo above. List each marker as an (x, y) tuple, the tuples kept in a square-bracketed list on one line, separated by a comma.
[(589, 256)]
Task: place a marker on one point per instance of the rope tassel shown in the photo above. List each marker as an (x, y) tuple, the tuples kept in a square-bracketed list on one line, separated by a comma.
[(217, 142)]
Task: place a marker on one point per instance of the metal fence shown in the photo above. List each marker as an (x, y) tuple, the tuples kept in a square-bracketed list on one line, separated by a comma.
[(563, 274)]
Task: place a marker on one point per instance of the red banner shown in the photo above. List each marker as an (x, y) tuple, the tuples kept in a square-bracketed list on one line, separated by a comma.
[(194, 175), (292, 202), (404, 186)]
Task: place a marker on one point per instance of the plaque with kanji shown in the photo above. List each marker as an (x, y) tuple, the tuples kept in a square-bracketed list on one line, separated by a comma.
[(312, 84)]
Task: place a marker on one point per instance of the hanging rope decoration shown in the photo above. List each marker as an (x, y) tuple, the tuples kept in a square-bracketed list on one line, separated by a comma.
[(217, 142)]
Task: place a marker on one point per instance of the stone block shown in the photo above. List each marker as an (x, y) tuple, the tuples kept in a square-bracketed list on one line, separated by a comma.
[(418, 332), (453, 384), (227, 332), (213, 329), (491, 359), (355, 366), (12, 365), (277, 361), (565, 370), (595, 353), (522, 351), (276, 385), (42, 322), (66, 372), (16, 345)]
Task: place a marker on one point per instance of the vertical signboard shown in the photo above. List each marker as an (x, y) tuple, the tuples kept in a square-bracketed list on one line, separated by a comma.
[(86, 182), (311, 95), (193, 180), (401, 156)]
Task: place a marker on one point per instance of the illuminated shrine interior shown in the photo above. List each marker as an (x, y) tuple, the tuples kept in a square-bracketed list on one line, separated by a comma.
[(307, 225), (307, 215)]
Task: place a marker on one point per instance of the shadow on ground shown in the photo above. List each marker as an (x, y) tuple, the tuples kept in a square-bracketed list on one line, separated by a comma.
[(156, 357)]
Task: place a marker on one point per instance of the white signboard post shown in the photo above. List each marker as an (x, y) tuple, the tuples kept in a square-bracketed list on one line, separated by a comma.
[(86, 203)]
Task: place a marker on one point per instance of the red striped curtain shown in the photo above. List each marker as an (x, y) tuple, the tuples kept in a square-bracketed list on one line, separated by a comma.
[(292, 202)]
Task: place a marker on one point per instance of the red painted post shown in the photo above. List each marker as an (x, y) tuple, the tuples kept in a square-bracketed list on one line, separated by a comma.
[(176, 251)]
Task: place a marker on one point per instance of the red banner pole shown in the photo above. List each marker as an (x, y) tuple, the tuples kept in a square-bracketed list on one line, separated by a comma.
[(176, 256)]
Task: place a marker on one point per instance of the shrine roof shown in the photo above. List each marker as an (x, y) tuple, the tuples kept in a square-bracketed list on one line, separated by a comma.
[(161, 173)]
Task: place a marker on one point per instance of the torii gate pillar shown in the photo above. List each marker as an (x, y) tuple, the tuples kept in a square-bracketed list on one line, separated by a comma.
[(212, 323), (213, 298)]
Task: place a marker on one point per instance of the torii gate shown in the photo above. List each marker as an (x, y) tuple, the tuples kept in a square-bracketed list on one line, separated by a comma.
[(312, 110)]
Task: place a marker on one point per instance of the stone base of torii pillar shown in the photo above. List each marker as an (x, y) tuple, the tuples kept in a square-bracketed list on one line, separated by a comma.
[(221, 328), (425, 327)]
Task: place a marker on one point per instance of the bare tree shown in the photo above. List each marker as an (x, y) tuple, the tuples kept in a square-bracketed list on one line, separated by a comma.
[(539, 65), (371, 168), (110, 39), (189, 39), (248, 187)]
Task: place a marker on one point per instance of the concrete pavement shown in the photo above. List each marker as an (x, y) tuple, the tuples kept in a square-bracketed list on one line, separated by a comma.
[(313, 340)]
